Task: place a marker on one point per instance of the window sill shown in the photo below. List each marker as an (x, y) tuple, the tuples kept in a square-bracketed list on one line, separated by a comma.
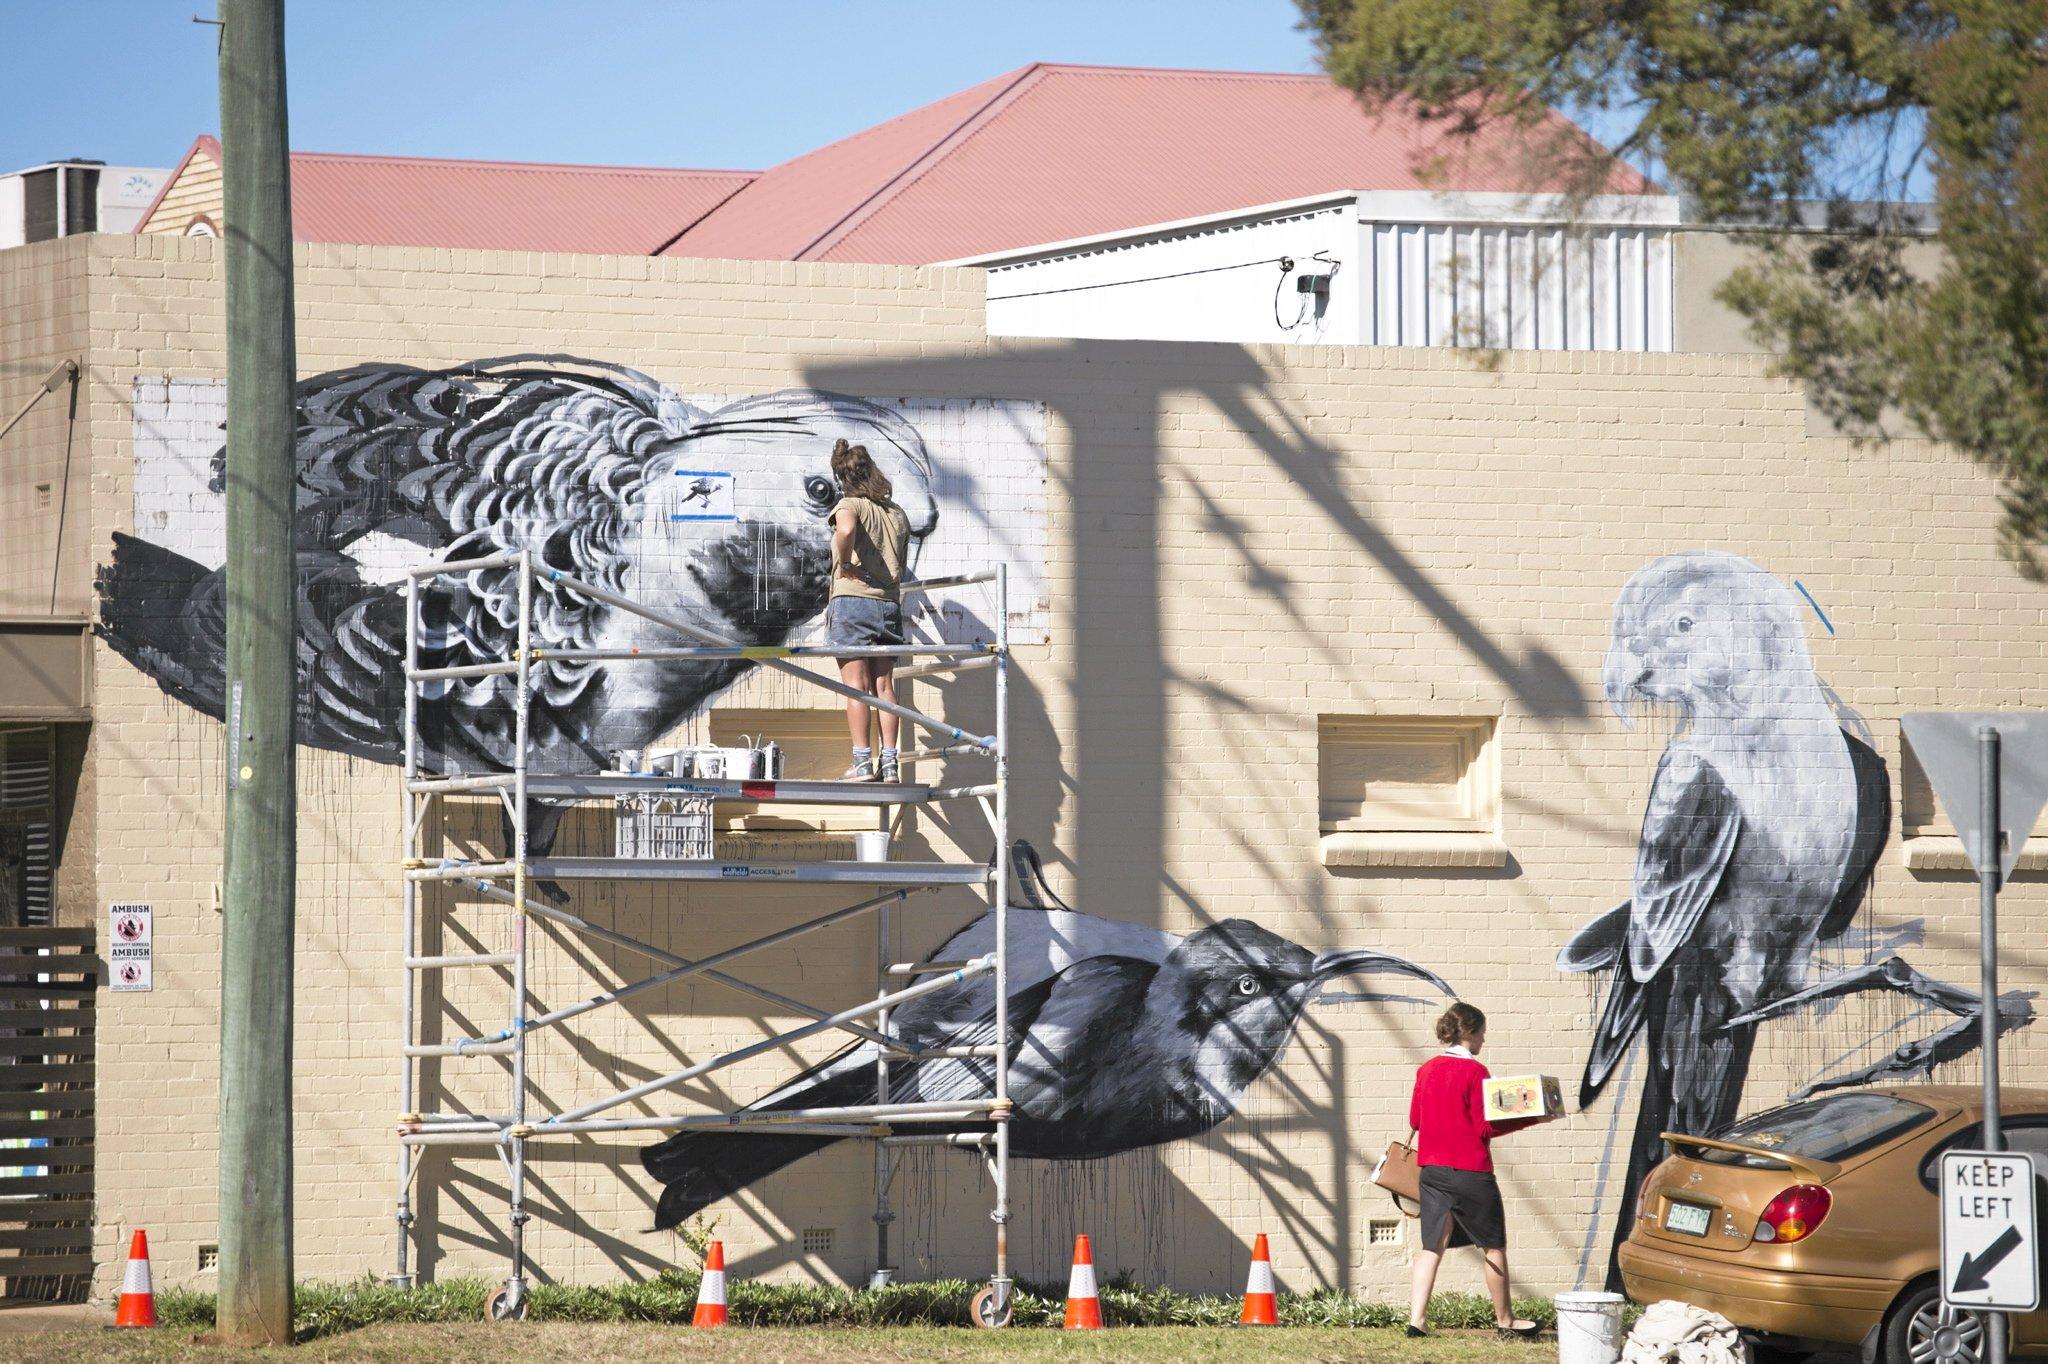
[(1423, 851), (1944, 852)]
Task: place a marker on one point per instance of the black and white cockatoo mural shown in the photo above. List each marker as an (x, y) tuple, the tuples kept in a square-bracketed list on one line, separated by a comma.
[(1122, 1037), (1764, 822), (716, 516)]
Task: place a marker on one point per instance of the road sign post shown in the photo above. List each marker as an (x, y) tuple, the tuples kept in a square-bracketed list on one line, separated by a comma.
[(1990, 773), (1989, 1259)]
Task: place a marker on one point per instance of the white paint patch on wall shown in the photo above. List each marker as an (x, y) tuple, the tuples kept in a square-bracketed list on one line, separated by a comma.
[(179, 425), (989, 475)]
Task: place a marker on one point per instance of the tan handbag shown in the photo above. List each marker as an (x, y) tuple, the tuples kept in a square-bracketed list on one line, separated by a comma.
[(1401, 1177)]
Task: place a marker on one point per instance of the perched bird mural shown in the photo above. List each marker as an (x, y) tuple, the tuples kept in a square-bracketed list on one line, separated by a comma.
[(602, 472), (1122, 1036), (1765, 819)]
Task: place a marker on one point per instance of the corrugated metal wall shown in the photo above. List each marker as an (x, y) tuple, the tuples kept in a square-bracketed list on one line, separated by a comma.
[(1518, 286)]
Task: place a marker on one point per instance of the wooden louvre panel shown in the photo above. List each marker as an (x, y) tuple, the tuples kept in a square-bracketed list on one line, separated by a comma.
[(48, 978), (1403, 774)]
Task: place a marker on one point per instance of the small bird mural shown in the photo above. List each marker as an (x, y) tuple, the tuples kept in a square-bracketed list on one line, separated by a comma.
[(591, 467), (1122, 1037), (1765, 819)]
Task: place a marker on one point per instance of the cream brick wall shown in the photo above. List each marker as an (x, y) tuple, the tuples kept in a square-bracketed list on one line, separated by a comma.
[(43, 461), (1241, 539)]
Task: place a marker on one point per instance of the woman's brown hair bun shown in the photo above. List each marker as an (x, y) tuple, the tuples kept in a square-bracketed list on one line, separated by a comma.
[(855, 472), (1459, 1022)]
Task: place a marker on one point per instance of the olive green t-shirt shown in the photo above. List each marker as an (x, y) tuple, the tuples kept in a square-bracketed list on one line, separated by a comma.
[(881, 532)]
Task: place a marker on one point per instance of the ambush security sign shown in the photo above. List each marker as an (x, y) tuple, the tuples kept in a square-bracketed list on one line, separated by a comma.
[(1988, 1251)]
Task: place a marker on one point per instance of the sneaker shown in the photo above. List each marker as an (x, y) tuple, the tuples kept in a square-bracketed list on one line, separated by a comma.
[(858, 772), (891, 772)]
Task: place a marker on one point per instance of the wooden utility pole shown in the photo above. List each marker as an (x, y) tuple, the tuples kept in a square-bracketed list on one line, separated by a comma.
[(262, 806)]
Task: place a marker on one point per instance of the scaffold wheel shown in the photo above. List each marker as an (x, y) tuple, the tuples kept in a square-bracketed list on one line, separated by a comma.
[(506, 1303), (988, 1313)]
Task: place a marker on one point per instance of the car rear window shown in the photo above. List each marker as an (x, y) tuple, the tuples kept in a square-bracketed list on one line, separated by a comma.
[(1834, 1128)]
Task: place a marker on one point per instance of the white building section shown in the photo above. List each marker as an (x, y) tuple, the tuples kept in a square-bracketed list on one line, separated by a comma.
[(65, 198), (1385, 268)]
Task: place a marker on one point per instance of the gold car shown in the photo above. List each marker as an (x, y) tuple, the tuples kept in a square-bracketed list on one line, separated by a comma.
[(1820, 1222)]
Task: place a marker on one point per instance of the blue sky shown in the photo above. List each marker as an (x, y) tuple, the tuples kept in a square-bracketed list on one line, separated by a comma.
[(713, 83)]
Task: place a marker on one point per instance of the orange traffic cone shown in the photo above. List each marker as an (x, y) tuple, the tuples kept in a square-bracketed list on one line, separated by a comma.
[(1260, 1309), (1084, 1308), (137, 1306), (711, 1290)]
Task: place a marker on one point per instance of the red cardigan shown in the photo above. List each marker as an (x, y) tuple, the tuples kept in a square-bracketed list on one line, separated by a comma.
[(1448, 1113)]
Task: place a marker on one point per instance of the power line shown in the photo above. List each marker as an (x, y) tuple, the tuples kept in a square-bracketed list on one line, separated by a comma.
[(1285, 262)]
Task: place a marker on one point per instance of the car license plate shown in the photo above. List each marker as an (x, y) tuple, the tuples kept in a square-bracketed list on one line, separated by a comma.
[(1689, 1219)]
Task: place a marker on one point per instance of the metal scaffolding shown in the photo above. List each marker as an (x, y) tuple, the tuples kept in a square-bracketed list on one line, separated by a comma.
[(979, 1124)]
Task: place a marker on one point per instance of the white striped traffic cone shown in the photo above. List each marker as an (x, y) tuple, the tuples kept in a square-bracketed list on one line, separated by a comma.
[(1084, 1307), (710, 1311), (1260, 1305), (137, 1305)]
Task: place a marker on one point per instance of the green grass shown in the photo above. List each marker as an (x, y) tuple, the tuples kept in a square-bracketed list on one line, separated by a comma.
[(642, 1343), (327, 1310)]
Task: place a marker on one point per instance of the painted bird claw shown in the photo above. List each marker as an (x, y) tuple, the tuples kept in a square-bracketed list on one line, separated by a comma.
[(1918, 1057)]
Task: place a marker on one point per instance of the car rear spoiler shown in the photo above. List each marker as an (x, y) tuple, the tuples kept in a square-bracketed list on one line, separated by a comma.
[(1820, 1171)]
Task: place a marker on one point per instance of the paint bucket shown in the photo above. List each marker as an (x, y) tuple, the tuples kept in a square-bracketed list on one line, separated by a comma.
[(872, 846), (1589, 1327)]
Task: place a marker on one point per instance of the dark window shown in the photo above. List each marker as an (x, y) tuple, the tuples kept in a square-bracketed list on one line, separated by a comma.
[(2025, 1133), (27, 822), (39, 206), (81, 199), (1834, 1128)]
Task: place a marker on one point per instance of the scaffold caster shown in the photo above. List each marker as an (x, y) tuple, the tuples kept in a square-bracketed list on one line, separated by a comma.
[(507, 1302), (992, 1306)]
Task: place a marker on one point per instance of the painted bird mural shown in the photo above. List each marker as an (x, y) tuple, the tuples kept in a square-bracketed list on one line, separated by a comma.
[(1123, 1037), (1764, 821), (600, 471)]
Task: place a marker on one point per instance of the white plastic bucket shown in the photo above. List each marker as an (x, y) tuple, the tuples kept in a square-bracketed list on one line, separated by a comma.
[(1589, 1327), (872, 846)]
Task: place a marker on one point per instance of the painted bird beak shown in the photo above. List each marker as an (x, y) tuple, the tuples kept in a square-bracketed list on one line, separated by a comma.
[(1360, 961), (1623, 673)]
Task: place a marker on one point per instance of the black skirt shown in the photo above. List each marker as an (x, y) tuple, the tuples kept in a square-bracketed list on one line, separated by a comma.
[(1464, 1203)]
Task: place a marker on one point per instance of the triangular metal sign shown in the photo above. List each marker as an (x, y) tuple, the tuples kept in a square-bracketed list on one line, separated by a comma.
[(1946, 744)]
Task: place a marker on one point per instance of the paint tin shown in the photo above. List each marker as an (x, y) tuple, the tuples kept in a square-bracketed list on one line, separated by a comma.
[(871, 846), (771, 761)]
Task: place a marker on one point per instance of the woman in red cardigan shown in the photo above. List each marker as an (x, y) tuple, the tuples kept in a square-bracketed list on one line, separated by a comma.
[(1460, 1197)]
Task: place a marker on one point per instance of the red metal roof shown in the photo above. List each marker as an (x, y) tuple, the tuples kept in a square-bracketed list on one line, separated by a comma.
[(489, 205), (1050, 152), (499, 205)]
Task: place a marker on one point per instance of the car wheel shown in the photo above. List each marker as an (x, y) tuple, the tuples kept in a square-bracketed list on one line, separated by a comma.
[(1922, 1331)]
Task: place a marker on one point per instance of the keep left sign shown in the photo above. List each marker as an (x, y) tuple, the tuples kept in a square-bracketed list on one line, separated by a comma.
[(1988, 1252)]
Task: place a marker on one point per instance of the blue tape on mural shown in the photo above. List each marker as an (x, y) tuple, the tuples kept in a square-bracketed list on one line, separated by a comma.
[(1815, 605), (707, 494)]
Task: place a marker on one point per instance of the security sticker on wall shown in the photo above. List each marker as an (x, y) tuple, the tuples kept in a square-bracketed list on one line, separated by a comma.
[(128, 947), (703, 495)]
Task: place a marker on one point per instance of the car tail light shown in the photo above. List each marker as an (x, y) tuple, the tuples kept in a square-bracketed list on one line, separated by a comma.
[(1794, 1214), (1646, 1205)]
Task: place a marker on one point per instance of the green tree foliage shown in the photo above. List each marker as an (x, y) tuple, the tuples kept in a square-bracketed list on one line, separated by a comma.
[(1761, 110)]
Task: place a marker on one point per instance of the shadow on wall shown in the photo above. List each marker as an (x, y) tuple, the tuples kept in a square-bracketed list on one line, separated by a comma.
[(1114, 526), (1121, 682)]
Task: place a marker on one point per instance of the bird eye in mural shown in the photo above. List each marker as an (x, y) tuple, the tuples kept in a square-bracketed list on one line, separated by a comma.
[(1764, 821), (716, 514), (1123, 1037)]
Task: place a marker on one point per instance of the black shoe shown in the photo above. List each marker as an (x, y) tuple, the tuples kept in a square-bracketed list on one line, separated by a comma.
[(1519, 1332), (1416, 1332)]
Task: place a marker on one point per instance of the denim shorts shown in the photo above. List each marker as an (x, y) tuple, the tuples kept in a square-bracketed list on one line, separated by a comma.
[(861, 621)]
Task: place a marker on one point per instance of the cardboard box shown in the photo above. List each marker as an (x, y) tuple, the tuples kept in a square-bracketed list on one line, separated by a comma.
[(1509, 1097)]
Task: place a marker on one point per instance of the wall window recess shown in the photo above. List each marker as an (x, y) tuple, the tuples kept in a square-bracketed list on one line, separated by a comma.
[(815, 748), (1928, 840), (1409, 791)]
